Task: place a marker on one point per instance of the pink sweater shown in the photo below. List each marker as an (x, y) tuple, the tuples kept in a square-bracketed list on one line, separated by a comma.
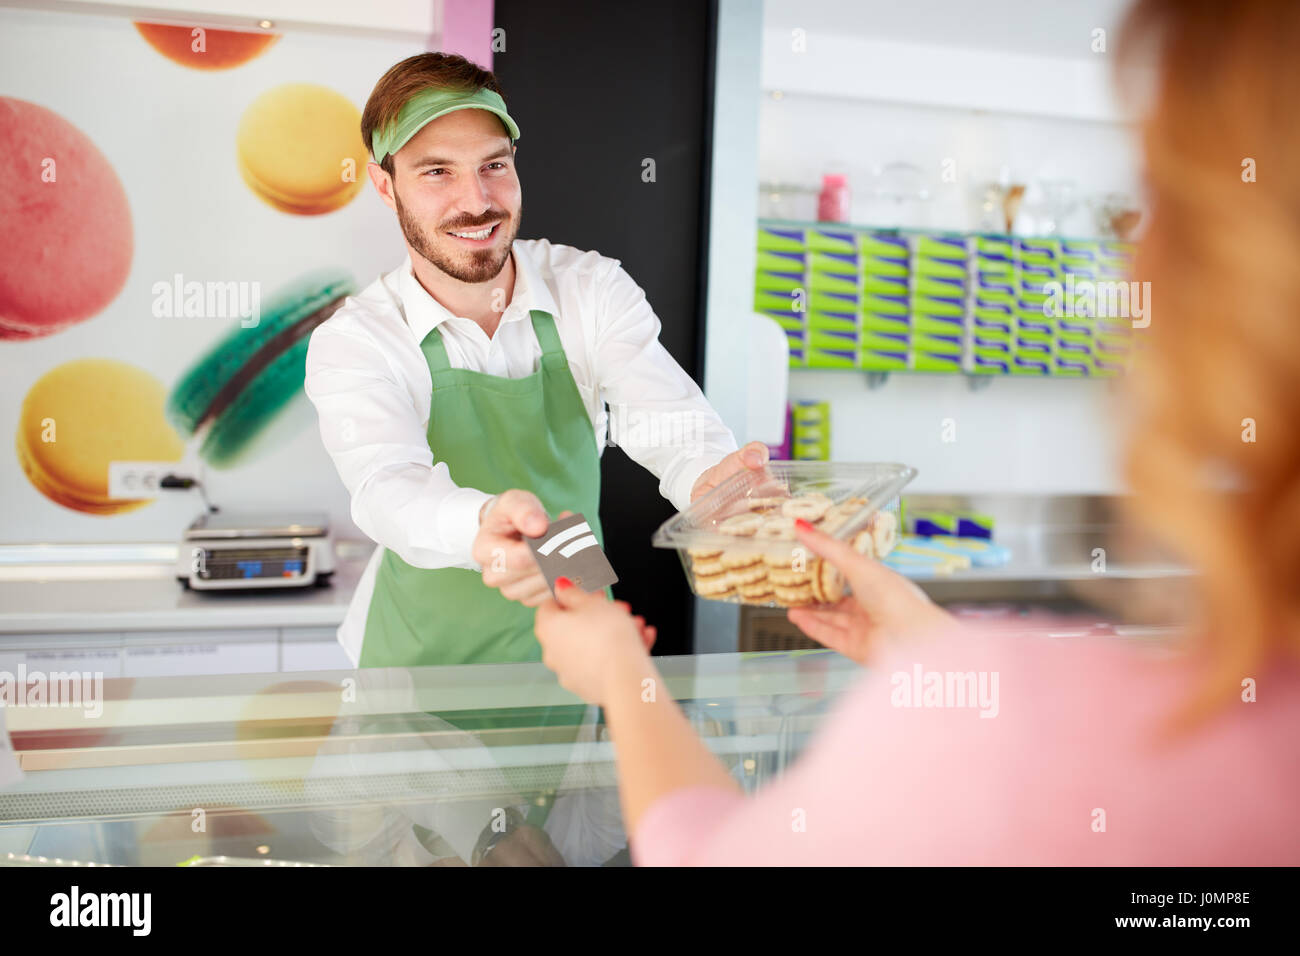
[(1065, 773)]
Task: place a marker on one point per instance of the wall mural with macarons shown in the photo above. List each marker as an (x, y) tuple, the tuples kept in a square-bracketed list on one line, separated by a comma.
[(181, 204)]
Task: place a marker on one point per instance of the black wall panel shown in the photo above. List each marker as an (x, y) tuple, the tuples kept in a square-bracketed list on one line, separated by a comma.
[(597, 88)]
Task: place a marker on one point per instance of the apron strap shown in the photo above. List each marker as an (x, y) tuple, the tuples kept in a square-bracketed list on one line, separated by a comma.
[(435, 353), (547, 336)]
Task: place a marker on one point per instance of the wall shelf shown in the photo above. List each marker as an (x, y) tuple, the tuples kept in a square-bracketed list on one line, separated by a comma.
[(885, 300)]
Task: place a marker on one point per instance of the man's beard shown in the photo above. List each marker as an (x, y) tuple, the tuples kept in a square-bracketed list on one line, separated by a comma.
[(483, 265)]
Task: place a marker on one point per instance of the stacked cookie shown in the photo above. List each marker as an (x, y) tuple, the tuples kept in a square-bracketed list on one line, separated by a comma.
[(771, 567)]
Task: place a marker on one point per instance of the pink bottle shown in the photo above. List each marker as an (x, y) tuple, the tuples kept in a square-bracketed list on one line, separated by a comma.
[(833, 203)]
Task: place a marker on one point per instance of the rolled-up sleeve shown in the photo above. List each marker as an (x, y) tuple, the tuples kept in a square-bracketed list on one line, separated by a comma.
[(379, 445), (657, 414)]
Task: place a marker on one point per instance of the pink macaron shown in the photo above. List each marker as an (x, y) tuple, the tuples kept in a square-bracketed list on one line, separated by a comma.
[(65, 224)]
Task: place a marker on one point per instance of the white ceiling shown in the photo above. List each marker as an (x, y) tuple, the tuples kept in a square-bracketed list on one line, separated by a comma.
[(1052, 28)]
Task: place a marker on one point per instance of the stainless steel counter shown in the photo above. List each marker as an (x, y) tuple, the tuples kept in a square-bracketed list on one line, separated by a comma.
[(1064, 548), (1067, 552), (128, 587)]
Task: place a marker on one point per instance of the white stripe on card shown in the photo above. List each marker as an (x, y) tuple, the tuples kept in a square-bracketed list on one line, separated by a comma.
[(560, 537), (582, 544)]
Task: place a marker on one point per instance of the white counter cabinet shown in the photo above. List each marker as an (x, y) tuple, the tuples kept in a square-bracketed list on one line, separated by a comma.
[(134, 619)]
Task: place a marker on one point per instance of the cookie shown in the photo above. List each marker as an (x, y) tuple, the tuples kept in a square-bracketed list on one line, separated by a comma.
[(741, 525), (831, 522), (793, 596), (810, 507), (787, 577), (827, 584), (884, 533), (843, 511), (716, 586), (779, 557), (704, 553), (795, 556), (862, 543), (760, 593), (765, 506), (814, 576), (741, 577), (707, 567), (776, 527), (736, 558)]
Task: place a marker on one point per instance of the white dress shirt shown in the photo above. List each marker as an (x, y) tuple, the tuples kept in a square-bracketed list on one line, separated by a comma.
[(371, 387)]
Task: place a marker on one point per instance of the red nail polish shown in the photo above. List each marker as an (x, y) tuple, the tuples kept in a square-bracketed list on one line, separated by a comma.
[(801, 524), (562, 582)]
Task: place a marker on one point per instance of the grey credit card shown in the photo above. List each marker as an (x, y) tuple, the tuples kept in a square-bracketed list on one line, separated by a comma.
[(569, 549)]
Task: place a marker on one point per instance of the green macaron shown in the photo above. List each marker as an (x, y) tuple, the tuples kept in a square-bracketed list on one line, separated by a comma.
[(233, 393)]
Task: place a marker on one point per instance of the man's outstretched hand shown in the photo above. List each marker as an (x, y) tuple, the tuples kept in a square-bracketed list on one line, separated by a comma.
[(752, 458), (499, 546)]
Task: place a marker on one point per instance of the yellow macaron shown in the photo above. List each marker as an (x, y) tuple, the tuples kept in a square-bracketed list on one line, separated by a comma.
[(300, 149), (83, 414)]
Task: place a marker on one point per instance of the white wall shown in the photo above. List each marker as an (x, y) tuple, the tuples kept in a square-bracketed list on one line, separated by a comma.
[(1018, 435), (733, 211), (733, 235), (1015, 90), (803, 136)]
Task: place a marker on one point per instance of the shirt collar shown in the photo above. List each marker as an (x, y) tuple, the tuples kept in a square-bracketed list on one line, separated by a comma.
[(424, 313)]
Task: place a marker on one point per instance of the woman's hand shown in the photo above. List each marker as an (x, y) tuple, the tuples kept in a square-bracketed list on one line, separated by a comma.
[(585, 635), (883, 604)]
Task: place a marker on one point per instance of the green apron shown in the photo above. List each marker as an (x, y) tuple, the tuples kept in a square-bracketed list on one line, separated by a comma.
[(493, 434)]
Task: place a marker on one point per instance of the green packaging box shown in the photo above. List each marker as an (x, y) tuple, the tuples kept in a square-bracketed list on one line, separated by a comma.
[(940, 268), (831, 239), (795, 301), (886, 323), (923, 361), (883, 266), (884, 245), (780, 239), (938, 324), (771, 261), (835, 263), (766, 281), (834, 321), (883, 360), (787, 320), (821, 301), (826, 358)]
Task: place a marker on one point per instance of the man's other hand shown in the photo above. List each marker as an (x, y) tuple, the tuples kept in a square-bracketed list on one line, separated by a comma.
[(752, 457)]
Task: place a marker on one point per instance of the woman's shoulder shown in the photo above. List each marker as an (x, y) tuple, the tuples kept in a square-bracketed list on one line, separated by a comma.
[(1057, 735), (1065, 673)]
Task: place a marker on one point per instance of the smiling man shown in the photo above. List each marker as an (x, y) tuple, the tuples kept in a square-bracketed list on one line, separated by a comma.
[(463, 395)]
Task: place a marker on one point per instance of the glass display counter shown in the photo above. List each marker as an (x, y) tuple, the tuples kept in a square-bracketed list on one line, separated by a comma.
[(493, 764)]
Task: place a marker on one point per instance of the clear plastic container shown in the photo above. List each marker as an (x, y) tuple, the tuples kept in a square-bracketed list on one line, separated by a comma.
[(737, 543)]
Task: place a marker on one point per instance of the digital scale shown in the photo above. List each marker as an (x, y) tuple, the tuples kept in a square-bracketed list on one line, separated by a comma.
[(256, 550)]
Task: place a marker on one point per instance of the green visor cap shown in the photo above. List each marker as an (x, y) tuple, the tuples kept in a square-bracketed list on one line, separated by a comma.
[(426, 106)]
